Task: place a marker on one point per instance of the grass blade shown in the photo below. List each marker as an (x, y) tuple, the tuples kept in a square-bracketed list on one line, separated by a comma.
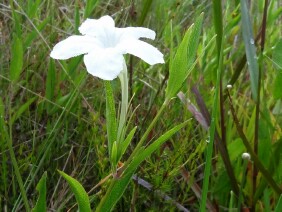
[(80, 194), (250, 49), (111, 118), (118, 186), (41, 188), (17, 58)]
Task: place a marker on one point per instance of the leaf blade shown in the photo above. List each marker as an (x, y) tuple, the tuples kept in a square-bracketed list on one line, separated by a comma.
[(80, 194)]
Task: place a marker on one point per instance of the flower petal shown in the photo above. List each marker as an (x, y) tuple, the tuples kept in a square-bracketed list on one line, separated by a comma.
[(143, 50), (105, 63), (136, 32), (73, 46), (94, 27)]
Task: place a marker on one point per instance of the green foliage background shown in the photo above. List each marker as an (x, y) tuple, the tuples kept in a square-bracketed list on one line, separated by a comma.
[(53, 112)]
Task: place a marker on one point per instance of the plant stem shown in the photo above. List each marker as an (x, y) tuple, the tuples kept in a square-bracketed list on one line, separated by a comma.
[(110, 120), (254, 157), (145, 135), (124, 103)]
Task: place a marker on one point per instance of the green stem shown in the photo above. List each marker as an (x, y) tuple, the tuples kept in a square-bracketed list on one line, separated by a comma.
[(250, 150), (135, 151), (124, 103), (218, 24), (110, 119), (145, 135), (244, 174)]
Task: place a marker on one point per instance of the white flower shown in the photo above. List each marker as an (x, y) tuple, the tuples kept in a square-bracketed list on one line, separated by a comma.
[(103, 46)]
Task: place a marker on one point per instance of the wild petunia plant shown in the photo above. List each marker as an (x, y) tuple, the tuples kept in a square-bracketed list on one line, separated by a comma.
[(103, 46)]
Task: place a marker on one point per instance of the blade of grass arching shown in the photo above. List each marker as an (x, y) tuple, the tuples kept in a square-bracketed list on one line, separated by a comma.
[(22, 109), (34, 33), (146, 7), (41, 188), (80, 194), (89, 8), (118, 185), (279, 205), (250, 49)]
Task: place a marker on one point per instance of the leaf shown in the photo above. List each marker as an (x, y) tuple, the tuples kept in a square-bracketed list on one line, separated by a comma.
[(146, 6), (182, 64), (41, 188), (35, 32), (279, 205), (110, 116), (277, 55), (22, 109), (89, 7), (118, 186), (250, 48), (50, 83), (80, 194), (277, 91), (127, 141), (16, 64)]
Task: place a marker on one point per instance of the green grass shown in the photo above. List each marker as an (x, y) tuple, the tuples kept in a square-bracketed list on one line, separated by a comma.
[(54, 114)]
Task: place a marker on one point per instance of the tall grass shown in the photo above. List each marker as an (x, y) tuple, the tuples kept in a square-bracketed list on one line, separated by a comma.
[(53, 117)]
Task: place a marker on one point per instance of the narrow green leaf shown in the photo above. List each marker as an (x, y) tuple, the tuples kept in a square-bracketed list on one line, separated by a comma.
[(184, 59), (217, 20), (127, 141), (277, 91), (114, 154), (277, 55), (76, 17), (35, 32), (50, 81), (22, 109), (279, 205), (41, 188), (250, 48), (146, 6), (32, 7), (17, 58), (110, 116), (89, 7), (118, 186), (80, 194)]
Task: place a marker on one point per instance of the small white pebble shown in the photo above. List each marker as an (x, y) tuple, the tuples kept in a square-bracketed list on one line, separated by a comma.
[(246, 156)]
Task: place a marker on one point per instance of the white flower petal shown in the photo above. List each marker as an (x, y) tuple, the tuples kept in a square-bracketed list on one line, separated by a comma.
[(136, 32), (73, 46), (94, 27), (143, 50), (105, 63)]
